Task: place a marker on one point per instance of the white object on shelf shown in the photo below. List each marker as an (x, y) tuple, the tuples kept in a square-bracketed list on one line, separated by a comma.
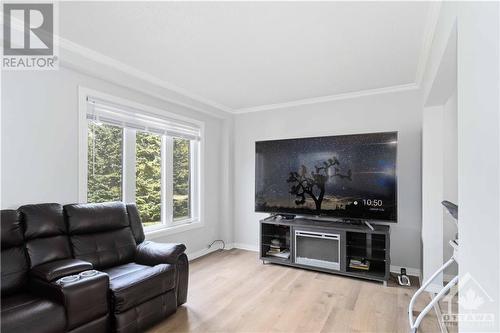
[(285, 254)]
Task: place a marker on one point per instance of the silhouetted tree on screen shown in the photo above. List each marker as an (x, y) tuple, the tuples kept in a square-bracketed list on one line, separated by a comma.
[(313, 183)]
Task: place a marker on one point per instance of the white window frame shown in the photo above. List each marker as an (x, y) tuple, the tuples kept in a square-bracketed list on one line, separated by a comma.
[(168, 225)]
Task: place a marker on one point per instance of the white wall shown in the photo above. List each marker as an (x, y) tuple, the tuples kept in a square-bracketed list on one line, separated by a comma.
[(432, 195), (439, 92), (440, 45), (478, 149), (439, 182), (450, 176), (400, 112), (39, 137), (479, 155)]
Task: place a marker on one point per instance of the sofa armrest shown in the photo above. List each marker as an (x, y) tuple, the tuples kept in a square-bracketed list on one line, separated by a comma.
[(56, 269), (85, 299), (152, 253)]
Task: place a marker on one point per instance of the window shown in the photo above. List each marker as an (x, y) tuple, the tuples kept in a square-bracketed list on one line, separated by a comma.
[(181, 195), (135, 156), (148, 177), (105, 155)]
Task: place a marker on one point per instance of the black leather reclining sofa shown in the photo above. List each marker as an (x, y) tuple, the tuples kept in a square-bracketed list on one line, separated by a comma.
[(86, 268)]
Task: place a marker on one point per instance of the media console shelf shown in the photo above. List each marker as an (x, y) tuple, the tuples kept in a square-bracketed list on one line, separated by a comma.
[(333, 247)]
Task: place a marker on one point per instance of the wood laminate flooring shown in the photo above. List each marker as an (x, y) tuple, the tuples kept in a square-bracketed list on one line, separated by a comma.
[(232, 291)]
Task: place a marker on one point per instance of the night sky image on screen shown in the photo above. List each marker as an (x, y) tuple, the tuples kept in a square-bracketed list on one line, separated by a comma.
[(348, 176)]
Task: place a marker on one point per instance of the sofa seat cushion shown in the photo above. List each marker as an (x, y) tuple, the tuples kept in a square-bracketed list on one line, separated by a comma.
[(132, 284), (24, 312)]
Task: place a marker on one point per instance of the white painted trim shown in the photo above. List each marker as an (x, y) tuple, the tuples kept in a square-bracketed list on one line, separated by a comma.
[(229, 246), (82, 145), (201, 253), (73, 53), (135, 105), (248, 247), (166, 209), (128, 163), (168, 184), (430, 28), (432, 193), (88, 61), (324, 99), (194, 181), (83, 93), (201, 175)]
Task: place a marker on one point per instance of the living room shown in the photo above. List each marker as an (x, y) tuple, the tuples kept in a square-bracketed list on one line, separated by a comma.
[(250, 166)]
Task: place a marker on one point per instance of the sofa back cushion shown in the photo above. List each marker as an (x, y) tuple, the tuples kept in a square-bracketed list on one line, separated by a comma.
[(135, 223), (100, 233), (14, 260), (45, 234)]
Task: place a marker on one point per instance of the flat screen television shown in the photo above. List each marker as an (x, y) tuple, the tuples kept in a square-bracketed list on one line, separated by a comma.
[(349, 177)]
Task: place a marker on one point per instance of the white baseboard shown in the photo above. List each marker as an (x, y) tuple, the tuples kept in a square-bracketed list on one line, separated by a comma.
[(201, 253), (394, 269), (248, 247)]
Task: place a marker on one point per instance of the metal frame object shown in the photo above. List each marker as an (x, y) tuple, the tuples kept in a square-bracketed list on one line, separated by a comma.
[(415, 323)]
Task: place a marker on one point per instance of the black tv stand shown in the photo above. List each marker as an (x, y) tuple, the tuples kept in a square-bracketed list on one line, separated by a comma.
[(351, 249)]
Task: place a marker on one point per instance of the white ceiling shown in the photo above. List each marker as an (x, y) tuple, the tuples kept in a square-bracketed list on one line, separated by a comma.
[(244, 55)]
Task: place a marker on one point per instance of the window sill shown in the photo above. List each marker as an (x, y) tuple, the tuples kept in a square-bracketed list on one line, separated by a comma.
[(170, 230)]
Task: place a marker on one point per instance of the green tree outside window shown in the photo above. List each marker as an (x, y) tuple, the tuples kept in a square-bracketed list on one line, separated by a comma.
[(104, 154), (105, 171), (181, 179), (148, 177)]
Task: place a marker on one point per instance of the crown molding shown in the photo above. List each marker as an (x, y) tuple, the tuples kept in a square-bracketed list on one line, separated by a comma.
[(429, 32), (90, 62), (430, 29), (329, 98)]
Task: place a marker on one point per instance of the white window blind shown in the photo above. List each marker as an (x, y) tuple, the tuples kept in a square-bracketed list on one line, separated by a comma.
[(126, 117)]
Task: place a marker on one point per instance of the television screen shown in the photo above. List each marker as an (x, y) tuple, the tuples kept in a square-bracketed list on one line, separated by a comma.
[(345, 177)]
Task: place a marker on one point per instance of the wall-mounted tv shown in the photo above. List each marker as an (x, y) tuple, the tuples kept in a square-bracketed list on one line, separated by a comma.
[(350, 177)]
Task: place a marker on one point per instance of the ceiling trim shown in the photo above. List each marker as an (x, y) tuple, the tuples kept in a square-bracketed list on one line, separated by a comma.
[(430, 28), (88, 61), (429, 32), (329, 98)]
